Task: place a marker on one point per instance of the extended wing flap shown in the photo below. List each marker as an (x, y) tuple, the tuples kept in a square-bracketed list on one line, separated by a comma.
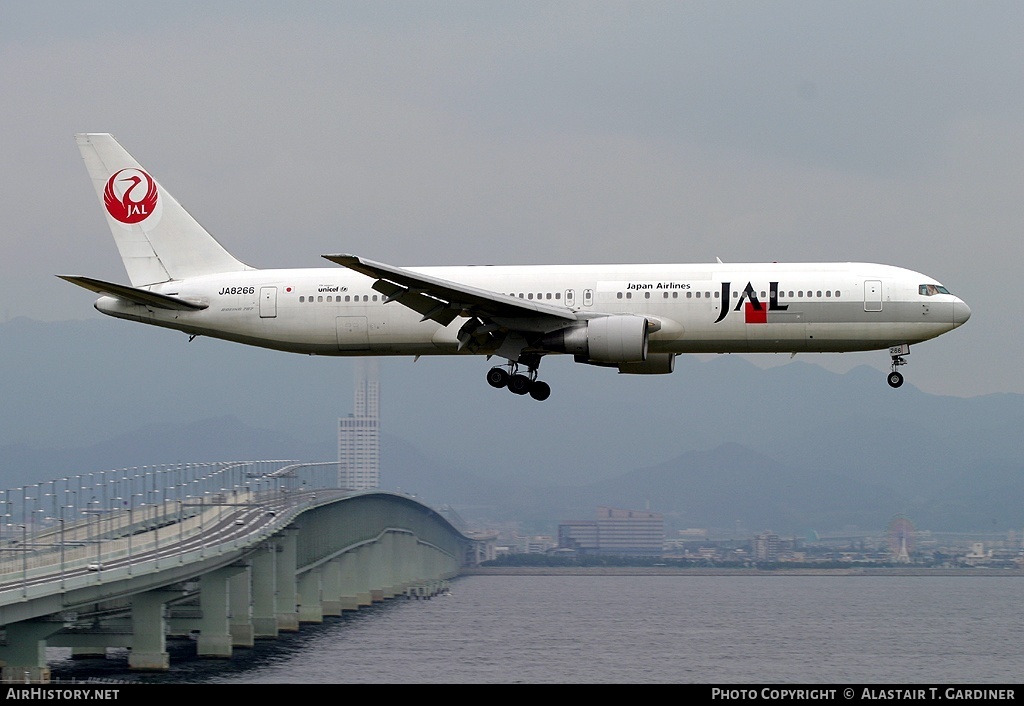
[(429, 307), (423, 293), (131, 294)]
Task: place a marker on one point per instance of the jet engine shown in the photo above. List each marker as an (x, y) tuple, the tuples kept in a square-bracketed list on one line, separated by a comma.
[(607, 339)]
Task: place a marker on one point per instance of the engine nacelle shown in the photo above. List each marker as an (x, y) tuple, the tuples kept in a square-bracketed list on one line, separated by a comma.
[(607, 339), (656, 364)]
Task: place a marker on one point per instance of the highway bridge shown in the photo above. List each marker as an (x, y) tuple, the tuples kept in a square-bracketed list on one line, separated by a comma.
[(225, 553)]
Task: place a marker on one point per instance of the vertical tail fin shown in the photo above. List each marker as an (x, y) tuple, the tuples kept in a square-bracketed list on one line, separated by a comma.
[(157, 238)]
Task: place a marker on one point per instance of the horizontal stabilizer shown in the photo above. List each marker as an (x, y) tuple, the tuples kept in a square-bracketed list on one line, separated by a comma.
[(131, 294)]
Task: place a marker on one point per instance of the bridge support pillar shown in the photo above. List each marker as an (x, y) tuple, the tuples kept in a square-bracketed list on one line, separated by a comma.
[(407, 563), (362, 574), (348, 569), (380, 567), (392, 549), (214, 634), (239, 602), (24, 655), (149, 631), (264, 588), (330, 588), (310, 608), (286, 605)]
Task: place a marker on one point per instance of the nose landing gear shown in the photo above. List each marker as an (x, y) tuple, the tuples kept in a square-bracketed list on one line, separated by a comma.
[(518, 383), (895, 378)]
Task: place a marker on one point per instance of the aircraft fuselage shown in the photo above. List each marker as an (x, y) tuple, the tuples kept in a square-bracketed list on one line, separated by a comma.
[(701, 308)]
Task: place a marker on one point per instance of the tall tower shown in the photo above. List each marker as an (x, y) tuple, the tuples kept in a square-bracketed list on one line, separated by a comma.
[(359, 432)]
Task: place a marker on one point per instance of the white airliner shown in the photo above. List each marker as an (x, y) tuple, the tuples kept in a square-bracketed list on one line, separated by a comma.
[(636, 318)]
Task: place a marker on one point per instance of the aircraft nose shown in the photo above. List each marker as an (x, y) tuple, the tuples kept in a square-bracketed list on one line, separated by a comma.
[(961, 312)]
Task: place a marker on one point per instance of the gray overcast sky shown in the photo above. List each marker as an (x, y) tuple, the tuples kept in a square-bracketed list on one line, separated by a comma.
[(530, 132)]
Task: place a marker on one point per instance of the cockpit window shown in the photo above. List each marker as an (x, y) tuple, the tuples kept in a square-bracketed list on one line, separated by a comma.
[(930, 290)]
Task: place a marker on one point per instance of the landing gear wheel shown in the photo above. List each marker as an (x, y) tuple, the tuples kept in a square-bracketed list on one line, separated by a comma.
[(519, 384), (520, 380), (895, 379), (540, 390), (496, 377)]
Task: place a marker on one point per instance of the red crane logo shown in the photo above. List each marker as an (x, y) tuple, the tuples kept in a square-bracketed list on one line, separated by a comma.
[(123, 207)]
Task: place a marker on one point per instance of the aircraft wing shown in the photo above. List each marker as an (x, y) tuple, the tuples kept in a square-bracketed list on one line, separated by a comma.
[(131, 294), (442, 300)]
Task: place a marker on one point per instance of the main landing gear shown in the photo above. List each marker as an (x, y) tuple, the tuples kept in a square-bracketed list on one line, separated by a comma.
[(895, 378), (518, 383)]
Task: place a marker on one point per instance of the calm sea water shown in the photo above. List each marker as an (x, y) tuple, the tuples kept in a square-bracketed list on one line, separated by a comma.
[(592, 629)]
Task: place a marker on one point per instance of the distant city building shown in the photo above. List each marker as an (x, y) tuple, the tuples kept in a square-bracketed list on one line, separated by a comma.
[(619, 532), (766, 547), (978, 555), (536, 544), (359, 432), (693, 533)]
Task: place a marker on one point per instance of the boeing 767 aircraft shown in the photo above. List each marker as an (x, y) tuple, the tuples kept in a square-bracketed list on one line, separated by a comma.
[(635, 318)]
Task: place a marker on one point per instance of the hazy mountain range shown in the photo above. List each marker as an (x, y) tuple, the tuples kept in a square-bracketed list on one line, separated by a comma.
[(720, 443)]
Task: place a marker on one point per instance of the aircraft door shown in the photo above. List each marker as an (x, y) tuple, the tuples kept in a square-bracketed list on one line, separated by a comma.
[(872, 295), (353, 333), (268, 302)]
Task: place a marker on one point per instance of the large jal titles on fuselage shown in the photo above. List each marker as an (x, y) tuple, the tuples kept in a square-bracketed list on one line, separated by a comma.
[(749, 296)]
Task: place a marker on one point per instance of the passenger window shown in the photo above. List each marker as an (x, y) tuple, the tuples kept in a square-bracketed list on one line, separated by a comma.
[(588, 297)]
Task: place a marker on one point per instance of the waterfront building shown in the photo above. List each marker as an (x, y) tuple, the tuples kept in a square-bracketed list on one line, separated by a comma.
[(359, 432), (766, 547), (618, 532)]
